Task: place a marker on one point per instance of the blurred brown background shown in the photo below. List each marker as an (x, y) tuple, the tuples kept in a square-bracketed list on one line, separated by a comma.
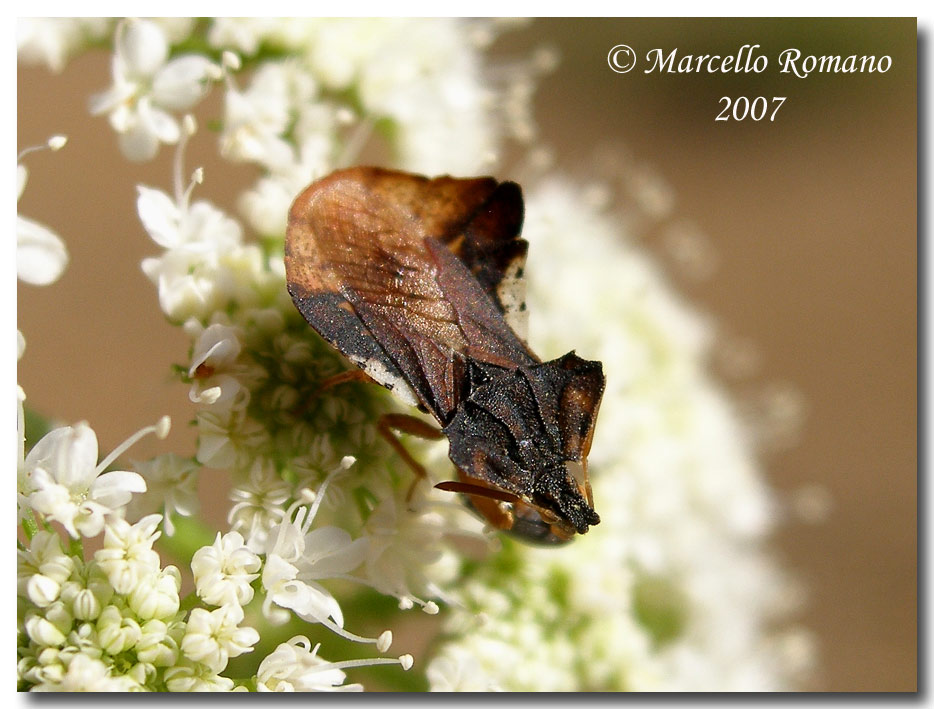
[(810, 220)]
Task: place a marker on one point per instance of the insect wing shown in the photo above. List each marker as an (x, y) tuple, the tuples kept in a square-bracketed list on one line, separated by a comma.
[(367, 266), (491, 249)]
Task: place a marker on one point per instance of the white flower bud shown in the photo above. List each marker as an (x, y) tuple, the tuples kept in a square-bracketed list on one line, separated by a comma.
[(211, 637), (156, 646), (127, 556), (51, 673), (197, 678), (156, 597), (99, 585), (43, 632), (230, 60), (122, 577), (46, 548), (86, 605), (42, 590), (344, 116), (223, 571), (201, 647), (60, 616), (283, 398), (115, 632), (141, 672), (85, 635), (26, 670), (49, 656)]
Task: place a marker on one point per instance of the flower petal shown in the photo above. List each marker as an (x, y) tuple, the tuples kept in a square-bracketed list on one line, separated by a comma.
[(113, 98), (159, 216), (208, 225), (141, 48), (114, 489), (182, 82), (161, 124), (69, 454), (21, 176), (309, 602), (90, 518), (330, 551), (138, 144), (41, 255)]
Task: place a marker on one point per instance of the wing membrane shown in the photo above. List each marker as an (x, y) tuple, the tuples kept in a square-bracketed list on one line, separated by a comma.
[(401, 274)]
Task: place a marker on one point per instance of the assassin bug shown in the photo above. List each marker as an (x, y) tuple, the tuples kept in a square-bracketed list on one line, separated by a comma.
[(418, 282)]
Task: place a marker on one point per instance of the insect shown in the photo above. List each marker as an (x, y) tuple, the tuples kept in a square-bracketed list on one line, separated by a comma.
[(418, 282)]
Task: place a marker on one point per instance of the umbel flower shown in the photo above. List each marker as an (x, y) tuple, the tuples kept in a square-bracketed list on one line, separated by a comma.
[(62, 480), (672, 591), (146, 87)]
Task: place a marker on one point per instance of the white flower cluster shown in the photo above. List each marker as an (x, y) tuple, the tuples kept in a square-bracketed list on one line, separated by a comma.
[(670, 591), (113, 623)]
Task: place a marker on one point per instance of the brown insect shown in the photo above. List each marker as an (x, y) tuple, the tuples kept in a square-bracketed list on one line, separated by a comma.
[(418, 282)]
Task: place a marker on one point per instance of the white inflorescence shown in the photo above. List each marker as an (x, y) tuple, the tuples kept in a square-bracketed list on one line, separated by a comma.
[(672, 590)]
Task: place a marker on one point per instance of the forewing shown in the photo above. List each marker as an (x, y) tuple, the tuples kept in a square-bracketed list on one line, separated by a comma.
[(490, 247), (367, 268)]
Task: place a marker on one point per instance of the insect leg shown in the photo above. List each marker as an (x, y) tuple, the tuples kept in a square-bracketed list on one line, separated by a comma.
[(351, 375), (485, 500), (478, 490), (407, 424)]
